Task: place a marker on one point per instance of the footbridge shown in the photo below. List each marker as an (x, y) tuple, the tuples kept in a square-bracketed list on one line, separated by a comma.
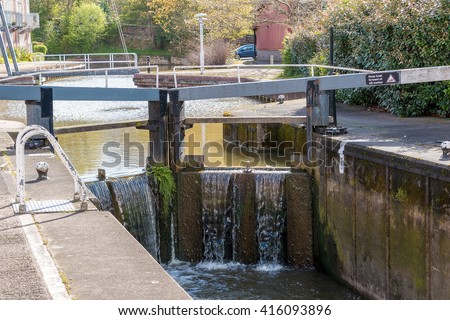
[(166, 121)]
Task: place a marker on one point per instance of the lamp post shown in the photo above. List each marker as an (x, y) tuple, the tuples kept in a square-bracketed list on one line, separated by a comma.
[(201, 18)]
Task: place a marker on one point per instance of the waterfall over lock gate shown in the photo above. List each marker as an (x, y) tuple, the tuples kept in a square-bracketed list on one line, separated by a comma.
[(271, 215), (131, 201), (221, 216)]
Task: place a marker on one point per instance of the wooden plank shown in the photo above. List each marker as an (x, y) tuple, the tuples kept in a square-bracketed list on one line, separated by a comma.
[(254, 119), (99, 126)]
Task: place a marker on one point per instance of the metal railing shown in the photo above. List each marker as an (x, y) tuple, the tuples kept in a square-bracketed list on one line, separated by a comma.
[(240, 67), (85, 61), (101, 71), (28, 132)]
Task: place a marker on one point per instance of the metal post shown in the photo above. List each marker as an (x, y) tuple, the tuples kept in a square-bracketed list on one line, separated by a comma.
[(5, 56), (2, 44), (157, 126), (332, 93), (202, 52), (254, 42), (8, 39), (310, 101), (176, 129), (106, 78), (47, 107), (175, 82), (201, 18)]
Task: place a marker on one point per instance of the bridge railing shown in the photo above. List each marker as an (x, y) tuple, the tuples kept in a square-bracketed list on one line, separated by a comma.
[(85, 61), (240, 67), (82, 72)]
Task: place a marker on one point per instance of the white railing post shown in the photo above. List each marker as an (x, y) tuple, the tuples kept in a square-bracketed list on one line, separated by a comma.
[(238, 74), (175, 77), (157, 77), (106, 78)]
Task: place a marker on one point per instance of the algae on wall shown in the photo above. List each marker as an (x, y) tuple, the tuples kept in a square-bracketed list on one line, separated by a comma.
[(382, 226), (163, 184)]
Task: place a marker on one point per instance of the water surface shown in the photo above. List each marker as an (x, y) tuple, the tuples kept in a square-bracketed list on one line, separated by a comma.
[(232, 281)]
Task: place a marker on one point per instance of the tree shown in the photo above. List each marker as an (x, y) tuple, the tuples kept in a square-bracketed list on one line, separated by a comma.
[(230, 19), (134, 12), (225, 19), (86, 25), (174, 19), (291, 12)]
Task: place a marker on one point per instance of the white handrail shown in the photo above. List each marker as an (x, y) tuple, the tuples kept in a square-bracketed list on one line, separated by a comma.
[(238, 67), (67, 60), (71, 72), (26, 133)]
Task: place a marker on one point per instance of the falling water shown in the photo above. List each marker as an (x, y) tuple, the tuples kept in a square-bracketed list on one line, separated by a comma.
[(101, 192), (216, 214), (137, 210), (271, 215)]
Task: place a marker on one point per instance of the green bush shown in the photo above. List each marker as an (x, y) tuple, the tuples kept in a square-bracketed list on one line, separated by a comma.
[(386, 35), (22, 55), (40, 47), (300, 48)]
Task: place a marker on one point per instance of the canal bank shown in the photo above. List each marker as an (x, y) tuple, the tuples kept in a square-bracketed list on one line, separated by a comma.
[(381, 201), (95, 258)]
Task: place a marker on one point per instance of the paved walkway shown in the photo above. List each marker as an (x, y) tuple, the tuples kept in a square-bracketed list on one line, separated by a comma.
[(419, 137), (20, 275)]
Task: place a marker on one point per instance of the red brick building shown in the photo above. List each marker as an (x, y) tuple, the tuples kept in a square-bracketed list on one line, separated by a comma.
[(270, 33)]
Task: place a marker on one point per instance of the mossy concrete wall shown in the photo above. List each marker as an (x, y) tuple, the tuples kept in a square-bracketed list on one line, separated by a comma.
[(383, 225)]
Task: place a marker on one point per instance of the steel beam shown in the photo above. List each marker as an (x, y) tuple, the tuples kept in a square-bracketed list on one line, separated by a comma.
[(252, 119), (79, 93), (248, 89)]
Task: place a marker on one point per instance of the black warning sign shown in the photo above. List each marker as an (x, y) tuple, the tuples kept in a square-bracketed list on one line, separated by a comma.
[(376, 79)]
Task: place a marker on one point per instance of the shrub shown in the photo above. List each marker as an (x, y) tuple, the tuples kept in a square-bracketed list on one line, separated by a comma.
[(386, 35), (216, 53), (40, 47), (22, 55), (300, 48)]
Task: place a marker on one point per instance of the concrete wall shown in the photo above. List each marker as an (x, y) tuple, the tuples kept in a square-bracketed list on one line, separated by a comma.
[(383, 226)]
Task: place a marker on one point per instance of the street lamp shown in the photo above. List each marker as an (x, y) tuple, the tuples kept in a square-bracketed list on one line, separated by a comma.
[(201, 18)]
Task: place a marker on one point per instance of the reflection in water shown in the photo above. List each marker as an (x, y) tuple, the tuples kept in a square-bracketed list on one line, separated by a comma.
[(118, 150), (208, 140)]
